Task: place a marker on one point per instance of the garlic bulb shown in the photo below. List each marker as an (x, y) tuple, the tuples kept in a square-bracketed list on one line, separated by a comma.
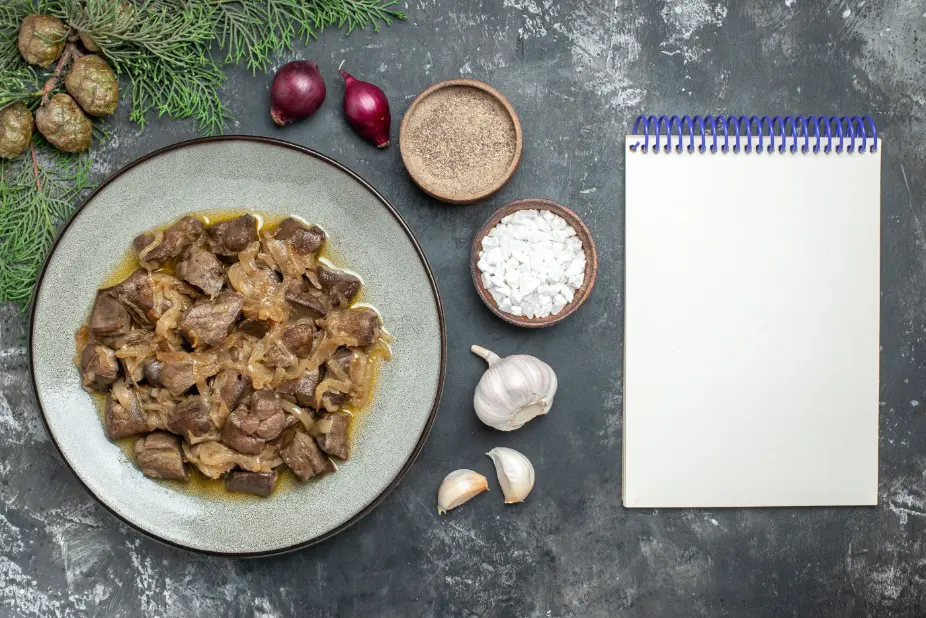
[(515, 473), (458, 487), (513, 390)]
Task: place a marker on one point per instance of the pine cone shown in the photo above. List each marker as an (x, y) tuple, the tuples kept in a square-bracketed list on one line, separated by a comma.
[(63, 124), (93, 85), (42, 39), (15, 129)]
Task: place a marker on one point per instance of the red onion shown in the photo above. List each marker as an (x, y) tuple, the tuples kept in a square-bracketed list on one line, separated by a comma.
[(367, 110), (297, 92)]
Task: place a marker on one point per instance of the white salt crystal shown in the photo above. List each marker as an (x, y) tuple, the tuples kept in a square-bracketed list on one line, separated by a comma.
[(528, 284), (532, 263), (576, 267)]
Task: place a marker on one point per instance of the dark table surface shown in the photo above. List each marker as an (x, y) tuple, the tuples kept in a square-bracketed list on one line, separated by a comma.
[(577, 73)]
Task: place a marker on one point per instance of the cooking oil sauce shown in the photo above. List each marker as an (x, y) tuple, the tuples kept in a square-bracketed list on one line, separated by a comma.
[(199, 483)]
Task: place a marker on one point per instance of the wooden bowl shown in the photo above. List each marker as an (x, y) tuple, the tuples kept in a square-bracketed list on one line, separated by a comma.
[(588, 245), (416, 173)]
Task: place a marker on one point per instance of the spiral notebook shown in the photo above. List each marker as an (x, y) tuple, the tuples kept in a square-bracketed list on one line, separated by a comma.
[(752, 298)]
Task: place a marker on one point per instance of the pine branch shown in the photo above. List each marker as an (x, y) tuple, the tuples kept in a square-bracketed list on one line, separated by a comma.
[(34, 201)]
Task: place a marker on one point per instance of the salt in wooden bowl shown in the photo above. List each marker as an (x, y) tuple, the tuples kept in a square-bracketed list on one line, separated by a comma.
[(461, 141), (588, 246)]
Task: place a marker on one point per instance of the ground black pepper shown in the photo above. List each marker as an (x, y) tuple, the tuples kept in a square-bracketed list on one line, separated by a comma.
[(460, 141)]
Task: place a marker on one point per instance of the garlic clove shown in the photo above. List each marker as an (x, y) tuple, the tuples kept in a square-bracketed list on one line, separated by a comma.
[(458, 487), (515, 473), (513, 390)]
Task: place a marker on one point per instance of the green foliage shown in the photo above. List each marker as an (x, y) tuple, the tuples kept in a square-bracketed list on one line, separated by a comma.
[(164, 47), (162, 50), (30, 213)]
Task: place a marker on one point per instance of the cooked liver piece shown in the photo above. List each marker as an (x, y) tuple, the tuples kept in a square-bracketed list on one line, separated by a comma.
[(175, 240), (247, 428), (231, 387), (108, 317), (177, 376), (136, 293), (234, 434), (207, 321), (303, 456), (333, 400), (190, 419), (257, 483), (340, 286), (99, 367), (122, 422), (360, 323), (152, 372), (233, 236), (302, 389), (305, 240), (202, 269), (254, 327), (335, 441), (158, 455), (298, 339), (299, 293)]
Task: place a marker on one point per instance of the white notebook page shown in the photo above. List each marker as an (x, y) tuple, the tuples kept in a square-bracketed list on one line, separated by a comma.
[(751, 328)]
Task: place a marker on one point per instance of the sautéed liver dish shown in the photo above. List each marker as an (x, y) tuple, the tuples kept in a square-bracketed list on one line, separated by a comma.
[(234, 349)]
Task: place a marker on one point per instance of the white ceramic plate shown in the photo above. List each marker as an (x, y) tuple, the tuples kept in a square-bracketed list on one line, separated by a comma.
[(367, 235)]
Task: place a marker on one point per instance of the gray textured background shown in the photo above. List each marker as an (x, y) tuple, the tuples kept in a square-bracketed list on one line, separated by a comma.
[(577, 72)]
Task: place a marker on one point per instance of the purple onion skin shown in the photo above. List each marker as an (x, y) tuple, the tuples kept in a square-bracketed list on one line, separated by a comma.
[(297, 92), (367, 110)]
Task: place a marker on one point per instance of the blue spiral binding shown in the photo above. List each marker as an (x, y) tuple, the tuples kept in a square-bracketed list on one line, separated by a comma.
[(841, 129)]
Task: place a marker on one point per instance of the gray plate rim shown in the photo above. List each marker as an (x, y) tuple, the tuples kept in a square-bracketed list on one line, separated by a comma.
[(424, 261)]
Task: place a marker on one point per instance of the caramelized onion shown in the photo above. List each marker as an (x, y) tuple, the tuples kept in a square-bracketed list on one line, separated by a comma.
[(304, 417), (323, 426), (151, 246), (329, 384), (361, 380)]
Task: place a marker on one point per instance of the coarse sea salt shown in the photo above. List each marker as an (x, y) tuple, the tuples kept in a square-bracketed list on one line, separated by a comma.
[(532, 263)]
